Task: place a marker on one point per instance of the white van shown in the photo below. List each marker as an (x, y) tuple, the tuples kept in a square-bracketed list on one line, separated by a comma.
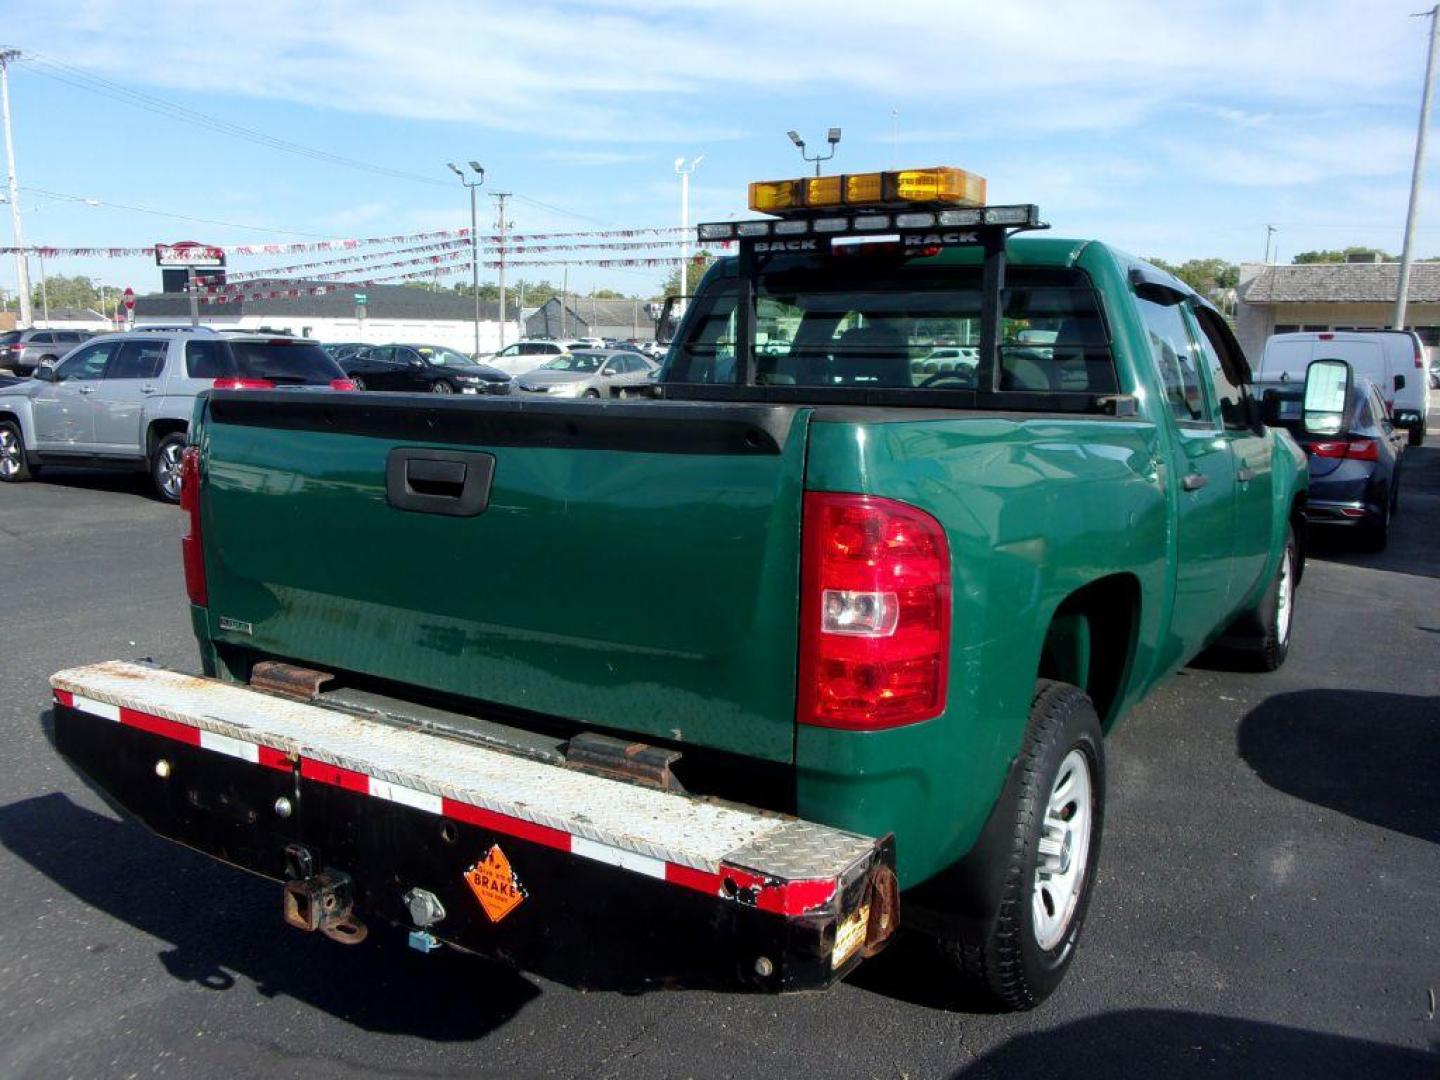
[(1394, 360)]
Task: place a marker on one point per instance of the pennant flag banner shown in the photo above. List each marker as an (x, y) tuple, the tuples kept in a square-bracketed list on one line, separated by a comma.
[(220, 290), (326, 264)]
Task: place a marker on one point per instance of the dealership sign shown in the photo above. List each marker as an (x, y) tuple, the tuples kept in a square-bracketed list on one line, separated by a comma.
[(188, 253)]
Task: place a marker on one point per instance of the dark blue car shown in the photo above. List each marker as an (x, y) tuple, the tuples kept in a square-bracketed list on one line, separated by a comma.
[(1354, 473)]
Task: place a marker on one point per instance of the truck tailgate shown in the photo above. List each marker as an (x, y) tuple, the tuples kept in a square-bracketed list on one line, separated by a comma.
[(635, 566)]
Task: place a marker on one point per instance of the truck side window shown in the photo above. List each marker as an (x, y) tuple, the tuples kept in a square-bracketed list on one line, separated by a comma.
[(1228, 395), (1176, 360), (138, 360)]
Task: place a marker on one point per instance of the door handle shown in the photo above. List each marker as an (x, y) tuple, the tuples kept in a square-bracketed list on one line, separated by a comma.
[(148, 389), (1193, 481), (87, 389), (1245, 475)]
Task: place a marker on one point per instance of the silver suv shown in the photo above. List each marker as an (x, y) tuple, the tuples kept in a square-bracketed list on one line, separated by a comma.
[(22, 351), (125, 400)]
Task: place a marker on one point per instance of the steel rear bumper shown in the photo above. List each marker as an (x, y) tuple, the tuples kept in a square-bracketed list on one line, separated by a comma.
[(608, 883)]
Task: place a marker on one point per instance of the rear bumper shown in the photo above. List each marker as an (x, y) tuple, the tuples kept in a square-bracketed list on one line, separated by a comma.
[(1338, 512), (596, 883)]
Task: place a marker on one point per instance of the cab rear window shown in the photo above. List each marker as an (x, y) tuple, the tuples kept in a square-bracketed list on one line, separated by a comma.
[(818, 327)]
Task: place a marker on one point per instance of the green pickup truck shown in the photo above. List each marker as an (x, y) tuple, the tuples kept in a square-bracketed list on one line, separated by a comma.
[(818, 642)]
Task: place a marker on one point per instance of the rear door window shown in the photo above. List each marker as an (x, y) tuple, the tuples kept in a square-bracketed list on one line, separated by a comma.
[(42, 338), (1178, 362), (138, 360)]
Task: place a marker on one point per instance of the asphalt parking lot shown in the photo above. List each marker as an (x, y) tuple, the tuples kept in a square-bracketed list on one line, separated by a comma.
[(1266, 903)]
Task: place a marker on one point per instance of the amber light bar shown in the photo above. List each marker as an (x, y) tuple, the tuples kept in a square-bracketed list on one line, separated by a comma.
[(1020, 216), (942, 186)]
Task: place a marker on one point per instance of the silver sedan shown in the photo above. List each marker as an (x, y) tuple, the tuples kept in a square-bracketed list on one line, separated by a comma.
[(588, 373)]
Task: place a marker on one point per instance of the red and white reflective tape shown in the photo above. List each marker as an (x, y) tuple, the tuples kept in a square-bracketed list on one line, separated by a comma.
[(789, 898)]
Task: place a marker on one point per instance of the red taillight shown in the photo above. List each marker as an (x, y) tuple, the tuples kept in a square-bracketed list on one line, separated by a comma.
[(191, 546), (244, 384), (342, 384), (1326, 337), (1353, 449), (1419, 353), (875, 613)]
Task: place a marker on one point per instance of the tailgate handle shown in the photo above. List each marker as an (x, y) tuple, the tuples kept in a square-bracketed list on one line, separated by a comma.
[(451, 482)]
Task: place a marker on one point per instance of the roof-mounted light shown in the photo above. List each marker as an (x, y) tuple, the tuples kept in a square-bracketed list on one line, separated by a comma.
[(899, 190)]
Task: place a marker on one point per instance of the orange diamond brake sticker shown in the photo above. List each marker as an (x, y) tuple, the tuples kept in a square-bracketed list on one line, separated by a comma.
[(495, 885)]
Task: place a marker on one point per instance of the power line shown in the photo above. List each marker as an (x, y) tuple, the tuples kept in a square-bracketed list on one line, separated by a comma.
[(54, 69), (65, 197), (84, 80)]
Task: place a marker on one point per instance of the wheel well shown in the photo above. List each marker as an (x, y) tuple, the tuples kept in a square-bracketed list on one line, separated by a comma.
[(12, 418), (1091, 639), (159, 429)]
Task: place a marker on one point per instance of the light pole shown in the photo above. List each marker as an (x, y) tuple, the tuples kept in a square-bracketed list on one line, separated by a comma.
[(833, 138), (22, 264), (1403, 286), (685, 171), (474, 239)]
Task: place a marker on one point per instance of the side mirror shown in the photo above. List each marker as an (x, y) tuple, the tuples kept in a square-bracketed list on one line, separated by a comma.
[(607, 374), (1327, 389), (45, 373)]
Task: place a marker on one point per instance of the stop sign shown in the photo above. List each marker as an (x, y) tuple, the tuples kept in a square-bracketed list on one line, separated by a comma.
[(129, 299)]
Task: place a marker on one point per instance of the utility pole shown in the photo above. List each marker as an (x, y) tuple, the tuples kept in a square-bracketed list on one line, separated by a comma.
[(22, 264), (44, 291), (685, 172), (500, 197), (1270, 231), (564, 293), (474, 240), (1403, 287)]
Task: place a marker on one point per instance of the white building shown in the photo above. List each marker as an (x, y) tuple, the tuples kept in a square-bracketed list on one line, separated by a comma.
[(1357, 295), (389, 313)]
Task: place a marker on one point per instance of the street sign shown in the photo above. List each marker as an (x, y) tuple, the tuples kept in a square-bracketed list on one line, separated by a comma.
[(188, 253), (361, 298), (129, 299)]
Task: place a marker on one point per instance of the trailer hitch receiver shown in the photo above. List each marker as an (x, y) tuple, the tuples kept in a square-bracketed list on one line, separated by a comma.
[(324, 902)]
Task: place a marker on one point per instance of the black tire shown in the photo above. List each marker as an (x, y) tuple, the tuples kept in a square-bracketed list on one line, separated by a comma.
[(441, 387), (591, 394), (45, 361), (1259, 640), (1006, 965), (1417, 434), (1374, 533), (165, 467), (14, 468), (358, 382)]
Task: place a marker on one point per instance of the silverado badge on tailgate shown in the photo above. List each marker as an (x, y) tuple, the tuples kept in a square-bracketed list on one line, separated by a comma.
[(495, 885)]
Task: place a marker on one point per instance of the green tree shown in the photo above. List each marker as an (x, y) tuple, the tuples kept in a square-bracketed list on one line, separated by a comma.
[(607, 294), (66, 292), (696, 270), (1340, 256), (1208, 277)]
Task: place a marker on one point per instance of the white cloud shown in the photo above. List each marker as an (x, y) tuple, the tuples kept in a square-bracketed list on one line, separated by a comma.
[(627, 70)]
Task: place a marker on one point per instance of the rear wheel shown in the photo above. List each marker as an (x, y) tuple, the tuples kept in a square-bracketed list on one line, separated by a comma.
[(1259, 640), (1417, 434), (1050, 858), (357, 382), (441, 387), (591, 394), (165, 466), (13, 466), (1375, 532)]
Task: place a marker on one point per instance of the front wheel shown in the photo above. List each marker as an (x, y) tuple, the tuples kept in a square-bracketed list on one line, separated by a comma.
[(1259, 640), (1417, 434), (13, 466), (165, 466), (441, 388), (1053, 847), (594, 394)]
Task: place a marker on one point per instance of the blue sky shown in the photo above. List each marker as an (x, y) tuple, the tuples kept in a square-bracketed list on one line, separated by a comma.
[(1171, 130)]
